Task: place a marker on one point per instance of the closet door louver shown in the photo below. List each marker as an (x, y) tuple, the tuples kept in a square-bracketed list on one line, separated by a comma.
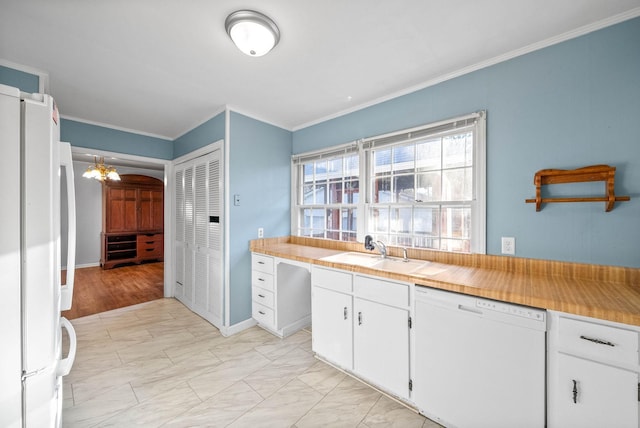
[(199, 212)]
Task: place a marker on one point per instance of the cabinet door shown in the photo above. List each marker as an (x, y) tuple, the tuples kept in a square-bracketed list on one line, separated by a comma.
[(331, 314), (604, 396), (151, 209), (122, 210), (381, 345)]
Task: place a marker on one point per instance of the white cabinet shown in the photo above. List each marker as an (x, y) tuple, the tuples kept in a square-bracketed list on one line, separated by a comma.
[(332, 334), (280, 293), (361, 324), (592, 373)]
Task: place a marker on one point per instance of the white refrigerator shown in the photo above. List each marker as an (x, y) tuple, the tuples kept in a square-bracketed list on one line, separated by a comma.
[(32, 160)]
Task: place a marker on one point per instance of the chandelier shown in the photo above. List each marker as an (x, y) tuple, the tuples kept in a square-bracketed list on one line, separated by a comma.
[(101, 172)]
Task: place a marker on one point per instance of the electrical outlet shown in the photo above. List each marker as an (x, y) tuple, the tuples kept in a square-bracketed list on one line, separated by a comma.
[(260, 232), (508, 245)]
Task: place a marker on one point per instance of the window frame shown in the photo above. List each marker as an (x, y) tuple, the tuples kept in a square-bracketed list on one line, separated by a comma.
[(475, 121)]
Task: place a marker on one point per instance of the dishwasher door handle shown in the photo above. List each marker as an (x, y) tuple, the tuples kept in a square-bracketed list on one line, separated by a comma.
[(470, 309)]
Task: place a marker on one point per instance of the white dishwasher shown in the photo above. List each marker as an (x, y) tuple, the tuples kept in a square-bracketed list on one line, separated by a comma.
[(478, 362)]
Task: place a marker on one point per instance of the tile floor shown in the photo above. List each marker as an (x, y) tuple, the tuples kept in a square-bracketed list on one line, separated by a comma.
[(157, 364)]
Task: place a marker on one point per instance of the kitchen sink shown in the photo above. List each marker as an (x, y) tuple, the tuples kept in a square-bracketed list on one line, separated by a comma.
[(354, 258), (398, 265), (391, 264)]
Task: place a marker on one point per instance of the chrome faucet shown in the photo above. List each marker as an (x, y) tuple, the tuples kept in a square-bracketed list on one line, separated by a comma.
[(370, 245)]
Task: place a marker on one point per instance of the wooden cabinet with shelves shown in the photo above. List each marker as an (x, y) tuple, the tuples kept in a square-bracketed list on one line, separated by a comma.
[(132, 220)]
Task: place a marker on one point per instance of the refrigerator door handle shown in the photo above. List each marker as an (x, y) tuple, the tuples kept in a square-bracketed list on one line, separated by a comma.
[(65, 364), (66, 292)]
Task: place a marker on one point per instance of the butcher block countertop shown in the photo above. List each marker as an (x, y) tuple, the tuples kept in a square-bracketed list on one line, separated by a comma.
[(605, 292)]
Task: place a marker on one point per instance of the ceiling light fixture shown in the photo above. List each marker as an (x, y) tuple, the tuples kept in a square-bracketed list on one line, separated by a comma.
[(101, 172), (253, 33)]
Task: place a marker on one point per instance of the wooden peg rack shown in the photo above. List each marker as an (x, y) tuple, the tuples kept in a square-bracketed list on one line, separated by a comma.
[(588, 173)]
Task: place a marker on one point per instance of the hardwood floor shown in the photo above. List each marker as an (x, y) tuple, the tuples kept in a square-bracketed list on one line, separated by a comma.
[(97, 290)]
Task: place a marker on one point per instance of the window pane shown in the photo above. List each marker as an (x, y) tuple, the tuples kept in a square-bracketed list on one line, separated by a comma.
[(457, 150), (320, 194), (351, 192), (349, 220), (403, 159), (349, 236), (334, 168), (335, 191), (401, 220), (382, 161), (333, 219), (425, 221), (382, 190), (307, 172), (456, 184), (428, 188), (456, 222), (352, 166), (321, 170), (380, 220), (404, 188), (456, 245), (428, 155)]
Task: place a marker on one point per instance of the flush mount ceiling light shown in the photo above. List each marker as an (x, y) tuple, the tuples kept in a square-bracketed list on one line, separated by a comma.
[(253, 33)]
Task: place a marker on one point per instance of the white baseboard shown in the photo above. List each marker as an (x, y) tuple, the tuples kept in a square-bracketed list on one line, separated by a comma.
[(237, 328), (86, 265)]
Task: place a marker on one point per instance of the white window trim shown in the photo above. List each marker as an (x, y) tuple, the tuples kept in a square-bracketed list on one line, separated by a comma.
[(478, 203)]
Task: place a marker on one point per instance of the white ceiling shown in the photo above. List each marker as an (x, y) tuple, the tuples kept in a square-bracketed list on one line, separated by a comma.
[(162, 67)]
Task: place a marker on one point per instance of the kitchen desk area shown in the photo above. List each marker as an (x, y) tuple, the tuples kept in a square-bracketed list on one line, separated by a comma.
[(592, 317)]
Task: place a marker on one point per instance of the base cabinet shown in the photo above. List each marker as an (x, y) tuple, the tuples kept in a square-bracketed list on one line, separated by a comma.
[(593, 373), (592, 394), (361, 324), (332, 316), (281, 294)]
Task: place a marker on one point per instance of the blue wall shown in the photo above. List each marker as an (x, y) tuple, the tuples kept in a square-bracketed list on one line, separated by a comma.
[(566, 106), (260, 172), (101, 138), (207, 133), (26, 82)]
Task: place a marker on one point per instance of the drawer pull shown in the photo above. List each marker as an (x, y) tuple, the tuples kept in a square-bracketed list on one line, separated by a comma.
[(261, 313), (359, 318), (150, 249), (345, 312), (151, 242), (260, 263), (575, 391), (598, 341), (261, 279), (261, 296)]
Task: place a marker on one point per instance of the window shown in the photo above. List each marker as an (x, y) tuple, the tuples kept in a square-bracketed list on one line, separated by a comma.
[(420, 188), (327, 197)]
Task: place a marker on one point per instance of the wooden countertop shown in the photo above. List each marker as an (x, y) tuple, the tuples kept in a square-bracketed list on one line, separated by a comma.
[(604, 292)]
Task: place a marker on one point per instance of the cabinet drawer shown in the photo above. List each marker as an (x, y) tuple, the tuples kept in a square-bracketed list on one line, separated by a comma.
[(598, 341), (262, 263), (387, 292), (262, 314), (262, 280), (332, 279), (150, 239), (262, 296)]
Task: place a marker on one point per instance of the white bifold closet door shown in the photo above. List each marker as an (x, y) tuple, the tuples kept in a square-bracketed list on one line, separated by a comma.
[(198, 245)]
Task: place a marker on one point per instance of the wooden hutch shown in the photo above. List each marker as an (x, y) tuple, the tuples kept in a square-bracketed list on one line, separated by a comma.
[(132, 220)]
